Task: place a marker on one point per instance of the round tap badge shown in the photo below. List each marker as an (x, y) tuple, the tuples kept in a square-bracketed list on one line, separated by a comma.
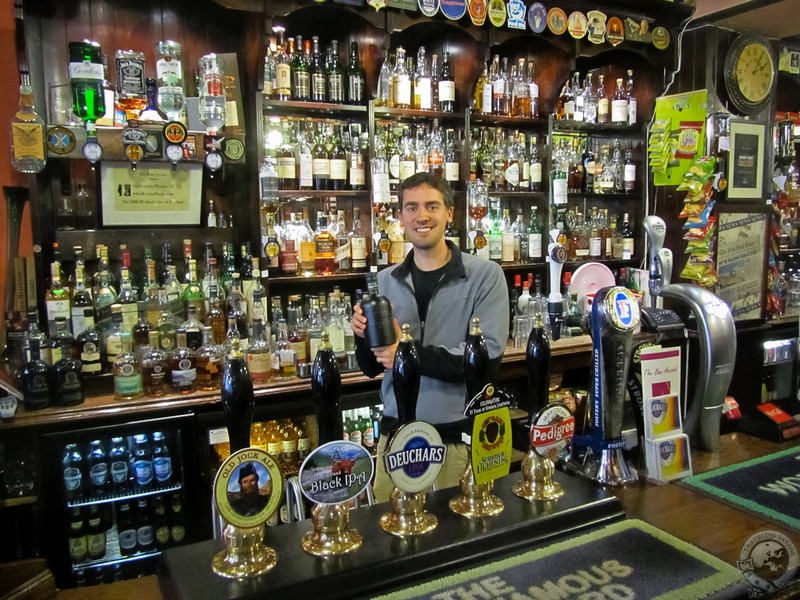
[(557, 20), (497, 12), (414, 456), (477, 12), (537, 17), (577, 25), (248, 487), (622, 308), (516, 14), (552, 431), (233, 148), (615, 31), (336, 472), (453, 9), (60, 140), (660, 38), (596, 27), (175, 132), (428, 7)]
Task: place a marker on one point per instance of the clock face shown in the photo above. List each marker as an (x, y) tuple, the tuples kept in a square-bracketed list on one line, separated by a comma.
[(750, 73)]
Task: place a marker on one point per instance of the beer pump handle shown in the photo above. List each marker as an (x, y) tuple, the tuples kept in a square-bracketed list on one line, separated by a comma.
[(556, 256), (405, 377), (655, 229)]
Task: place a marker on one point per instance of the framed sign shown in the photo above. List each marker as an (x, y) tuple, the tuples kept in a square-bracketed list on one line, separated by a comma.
[(746, 164), (742, 258), (153, 194)]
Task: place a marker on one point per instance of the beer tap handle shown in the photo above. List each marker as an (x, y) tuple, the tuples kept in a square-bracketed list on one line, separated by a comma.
[(655, 229), (556, 256)]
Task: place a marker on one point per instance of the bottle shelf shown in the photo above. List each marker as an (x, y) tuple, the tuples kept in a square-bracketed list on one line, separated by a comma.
[(382, 112), (615, 196), (118, 497), (605, 261), (596, 128), (314, 278), (482, 119), (113, 555), (18, 501), (518, 194), (276, 107), (303, 194)]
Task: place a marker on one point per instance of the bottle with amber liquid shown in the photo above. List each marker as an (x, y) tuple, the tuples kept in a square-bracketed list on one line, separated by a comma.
[(378, 311), (259, 355), (326, 392), (155, 367), (208, 362), (324, 248), (182, 365), (215, 316), (127, 371), (237, 397), (476, 361), (89, 348), (537, 360)]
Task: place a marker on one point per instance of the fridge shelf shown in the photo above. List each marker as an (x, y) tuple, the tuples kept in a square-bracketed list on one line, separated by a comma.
[(113, 555), (118, 497)]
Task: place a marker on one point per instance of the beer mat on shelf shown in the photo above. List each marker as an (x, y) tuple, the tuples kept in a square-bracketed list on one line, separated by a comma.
[(628, 559), (768, 486)]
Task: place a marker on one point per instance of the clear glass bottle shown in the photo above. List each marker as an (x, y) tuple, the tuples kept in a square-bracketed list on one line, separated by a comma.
[(127, 371), (208, 362), (259, 354), (212, 93), (401, 81), (285, 357), (182, 364), (447, 86), (27, 132), (619, 105)]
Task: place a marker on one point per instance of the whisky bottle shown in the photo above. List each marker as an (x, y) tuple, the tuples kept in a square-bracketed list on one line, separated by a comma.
[(127, 371), (338, 161), (192, 327), (334, 76), (237, 310), (182, 365), (208, 362), (27, 132), (320, 161), (358, 243), (193, 294), (285, 357), (423, 94), (67, 377), (38, 382), (131, 94), (629, 171), (89, 347), (632, 100), (165, 324), (283, 70), (59, 336), (627, 238), (603, 108), (537, 360), (356, 167), (301, 79), (619, 105), (215, 317), (57, 298), (259, 355), (317, 74), (324, 248), (356, 78), (401, 81), (81, 300), (447, 86), (113, 336), (287, 163), (326, 388), (405, 377), (155, 367), (128, 300)]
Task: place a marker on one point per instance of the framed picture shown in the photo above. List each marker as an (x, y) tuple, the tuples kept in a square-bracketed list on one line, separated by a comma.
[(742, 258), (745, 161), (153, 194)]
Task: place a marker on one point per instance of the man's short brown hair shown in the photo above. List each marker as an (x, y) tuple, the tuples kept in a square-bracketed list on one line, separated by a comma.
[(432, 181)]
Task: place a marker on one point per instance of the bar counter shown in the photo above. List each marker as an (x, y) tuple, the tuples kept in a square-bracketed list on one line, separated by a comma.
[(712, 526)]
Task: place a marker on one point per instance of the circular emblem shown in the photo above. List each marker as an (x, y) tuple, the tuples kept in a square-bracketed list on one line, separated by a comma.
[(537, 17), (477, 12), (492, 433), (577, 25), (234, 148), (596, 27), (552, 431), (558, 254), (454, 9), (666, 451), (89, 348), (768, 559), (557, 20), (248, 487), (213, 161), (497, 12), (92, 151), (480, 241), (336, 472), (414, 456), (134, 152), (660, 37), (272, 249), (157, 369), (428, 7), (175, 132), (174, 152), (622, 308), (60, 140), (127, 370), (658, 410), (615, 32), (185, 364)]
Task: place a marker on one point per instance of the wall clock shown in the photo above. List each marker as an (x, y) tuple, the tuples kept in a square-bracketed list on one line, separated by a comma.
[(751, 72)]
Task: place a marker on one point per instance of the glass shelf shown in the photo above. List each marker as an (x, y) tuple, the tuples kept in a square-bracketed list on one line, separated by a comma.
[(299, 106), (113, 556), (118, 497)]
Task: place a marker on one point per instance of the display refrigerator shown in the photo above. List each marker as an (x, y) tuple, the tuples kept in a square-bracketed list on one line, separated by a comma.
[(118, 495)]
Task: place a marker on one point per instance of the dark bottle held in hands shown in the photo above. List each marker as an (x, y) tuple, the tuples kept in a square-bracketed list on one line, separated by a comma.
[(378, 311)]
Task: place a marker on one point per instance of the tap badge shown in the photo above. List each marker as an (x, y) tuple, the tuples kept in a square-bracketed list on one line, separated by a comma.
[(248, 487), (414, 456), (491, 434), (622, 308), (336, 472), (552, 431)]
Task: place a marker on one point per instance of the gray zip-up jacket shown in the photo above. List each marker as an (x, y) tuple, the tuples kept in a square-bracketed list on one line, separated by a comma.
[(470, 287)]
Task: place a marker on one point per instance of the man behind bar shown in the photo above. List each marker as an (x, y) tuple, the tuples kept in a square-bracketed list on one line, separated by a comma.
[(437, 290)]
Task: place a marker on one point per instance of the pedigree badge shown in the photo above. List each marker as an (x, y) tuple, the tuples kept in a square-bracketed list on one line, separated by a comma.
[(552, 432), (336, 472), (497, 12), (477, 12)]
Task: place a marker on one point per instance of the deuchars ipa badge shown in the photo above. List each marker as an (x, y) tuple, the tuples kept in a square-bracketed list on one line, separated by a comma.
[(768, 559), (414, 456)]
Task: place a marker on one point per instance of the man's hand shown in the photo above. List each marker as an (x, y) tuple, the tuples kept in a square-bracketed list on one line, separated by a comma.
[(385, 354), (359, 322)]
